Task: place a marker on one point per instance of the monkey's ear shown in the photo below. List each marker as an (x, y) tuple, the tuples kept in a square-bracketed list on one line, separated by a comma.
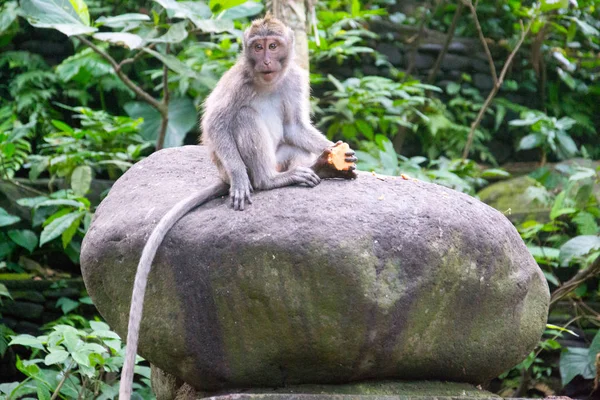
[(290, 35)]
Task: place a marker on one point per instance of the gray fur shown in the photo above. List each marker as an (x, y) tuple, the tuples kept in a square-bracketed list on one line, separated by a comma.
[(260, 137)]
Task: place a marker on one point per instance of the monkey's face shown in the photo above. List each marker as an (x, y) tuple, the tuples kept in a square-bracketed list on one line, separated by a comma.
[(268, 56)]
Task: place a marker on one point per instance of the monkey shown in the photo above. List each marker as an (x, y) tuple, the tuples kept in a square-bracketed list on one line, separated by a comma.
[(256, 126)]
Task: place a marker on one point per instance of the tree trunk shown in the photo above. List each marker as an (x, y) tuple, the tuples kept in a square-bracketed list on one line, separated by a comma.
[(293, 14)]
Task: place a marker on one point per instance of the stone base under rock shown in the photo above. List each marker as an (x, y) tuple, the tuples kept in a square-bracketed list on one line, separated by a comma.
[(386, 390)]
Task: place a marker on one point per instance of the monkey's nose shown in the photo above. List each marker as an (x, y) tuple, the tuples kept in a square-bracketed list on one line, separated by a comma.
[(267, 62)]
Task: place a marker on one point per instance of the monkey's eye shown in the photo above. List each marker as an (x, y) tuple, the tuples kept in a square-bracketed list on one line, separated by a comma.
[(272, 46), (258, 47)]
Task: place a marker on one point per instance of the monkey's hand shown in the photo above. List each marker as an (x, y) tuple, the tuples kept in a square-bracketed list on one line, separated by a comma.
[(325, 169), (305, 176), (239, 192)]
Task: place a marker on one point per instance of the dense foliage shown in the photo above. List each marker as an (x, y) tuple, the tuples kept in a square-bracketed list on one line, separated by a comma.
[(89, 87)]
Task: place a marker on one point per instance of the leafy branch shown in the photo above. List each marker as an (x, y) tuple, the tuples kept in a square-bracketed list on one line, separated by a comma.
[(498, 80), (161, 107)]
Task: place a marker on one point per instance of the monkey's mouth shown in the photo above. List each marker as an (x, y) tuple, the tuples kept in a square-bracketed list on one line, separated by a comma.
[(268, 75)]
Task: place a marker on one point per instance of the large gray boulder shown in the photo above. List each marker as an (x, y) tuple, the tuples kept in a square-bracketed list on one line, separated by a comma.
[(351, 280)]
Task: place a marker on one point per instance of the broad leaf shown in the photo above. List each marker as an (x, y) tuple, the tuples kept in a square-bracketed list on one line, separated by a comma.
[(220, 5), (8, 15), (58, 226), (531, 141), (586, 29), (82, 10), (182, 118), (129, 40), (57, 14), (7, 219), (4, 291), (567, 146), (566, 78), (24, 238), (68, 233), (248, 9), (549, 5), (594, 348), (579, 246), (123, 20), (544, 253), (81, 180), (56, 356), (575, 361), (214, 25), (173, 63), (177, 33), (27, 340), (67, 305), (186, 9)]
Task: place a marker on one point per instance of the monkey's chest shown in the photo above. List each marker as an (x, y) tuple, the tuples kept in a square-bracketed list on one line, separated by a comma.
[(270, 110)]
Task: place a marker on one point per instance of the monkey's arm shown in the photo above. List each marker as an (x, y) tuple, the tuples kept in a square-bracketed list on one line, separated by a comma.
[(225, 148)]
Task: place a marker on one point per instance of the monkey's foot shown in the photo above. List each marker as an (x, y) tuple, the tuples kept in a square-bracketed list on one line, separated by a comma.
[(325, 169)]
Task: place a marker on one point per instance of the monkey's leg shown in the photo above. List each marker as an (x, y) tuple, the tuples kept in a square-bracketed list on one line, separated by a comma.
[(257, 149)]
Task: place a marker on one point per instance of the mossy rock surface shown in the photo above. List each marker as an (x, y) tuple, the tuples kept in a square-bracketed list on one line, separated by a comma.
[(351, 280), (514, 197)]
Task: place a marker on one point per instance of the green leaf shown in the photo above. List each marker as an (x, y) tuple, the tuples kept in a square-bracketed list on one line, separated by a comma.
[(56, 356), (573, 362), (566, 78), (567, 145), (7, 219), (129, 40), (544, 253), (58, 226), (60, 202), (4, 291), (453, 88), (42, 391), (365, 128), (214, 25), (123, 20), (182, 118), (82, 10), (27, 340), (594, 348), (177, 33), (192, 10), (173, 63), (81, 357), (549, 5), (81, 180), (61, 126), (67, 305), (68, 234), (578, 247), (530, 141), (8, 15), (56, 14), (99, 326), (220, 5), (494, 173), (586, 223), (248, 9), (24, 238), (586, 29)]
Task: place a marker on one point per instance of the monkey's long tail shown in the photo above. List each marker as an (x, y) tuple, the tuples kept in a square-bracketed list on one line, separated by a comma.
[(143, 269)]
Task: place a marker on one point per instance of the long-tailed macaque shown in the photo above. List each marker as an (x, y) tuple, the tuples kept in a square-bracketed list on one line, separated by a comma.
[(257, 128)]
